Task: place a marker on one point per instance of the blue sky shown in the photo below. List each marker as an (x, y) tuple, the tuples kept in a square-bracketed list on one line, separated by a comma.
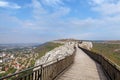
[(29, 21)]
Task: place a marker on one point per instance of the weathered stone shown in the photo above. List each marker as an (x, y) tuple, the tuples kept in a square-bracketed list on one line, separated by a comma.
[(57, 53), (86, 45)]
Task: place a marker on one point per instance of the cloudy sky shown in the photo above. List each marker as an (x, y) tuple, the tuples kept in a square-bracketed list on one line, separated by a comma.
[(26, 21)]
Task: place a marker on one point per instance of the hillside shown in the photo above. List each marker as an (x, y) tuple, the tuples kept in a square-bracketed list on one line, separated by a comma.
[(42, 49), (67, 40), (57, 53), (114, 41), (27, 59), (110, 51)]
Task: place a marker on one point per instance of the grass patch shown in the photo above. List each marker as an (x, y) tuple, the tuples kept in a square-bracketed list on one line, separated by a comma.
[(110, 51), (42, 49)]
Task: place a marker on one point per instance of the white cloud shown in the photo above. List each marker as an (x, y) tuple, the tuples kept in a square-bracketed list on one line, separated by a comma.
[(5, 4), (94, 2), (42, 15), (106, 7), (49, 26), (60, 12), (37, 8), (52, 3), (100, 2), (83, 28)]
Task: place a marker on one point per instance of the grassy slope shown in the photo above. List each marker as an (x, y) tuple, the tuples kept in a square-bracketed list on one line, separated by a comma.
[(42, 49), (108, 50)]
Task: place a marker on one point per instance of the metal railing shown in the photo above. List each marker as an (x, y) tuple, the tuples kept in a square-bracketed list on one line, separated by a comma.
[(47, 71), (110, 68)]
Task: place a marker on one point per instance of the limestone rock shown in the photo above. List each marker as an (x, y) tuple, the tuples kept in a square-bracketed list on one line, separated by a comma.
[(57, 53)]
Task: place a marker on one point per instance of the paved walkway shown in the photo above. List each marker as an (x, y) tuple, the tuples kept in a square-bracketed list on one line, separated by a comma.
[(84, 68)]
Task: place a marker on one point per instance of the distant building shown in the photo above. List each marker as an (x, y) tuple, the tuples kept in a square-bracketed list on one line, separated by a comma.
[(12, 56), (1, 60), (2, 56)]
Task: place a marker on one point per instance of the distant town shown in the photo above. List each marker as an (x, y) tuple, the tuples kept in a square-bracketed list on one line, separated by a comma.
[(14, 58)]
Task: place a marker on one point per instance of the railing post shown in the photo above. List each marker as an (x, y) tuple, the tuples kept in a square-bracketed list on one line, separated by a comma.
[(41, 75)]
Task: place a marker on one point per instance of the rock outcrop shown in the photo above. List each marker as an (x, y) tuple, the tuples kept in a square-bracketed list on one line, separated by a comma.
[(57, 53), (86, 44)]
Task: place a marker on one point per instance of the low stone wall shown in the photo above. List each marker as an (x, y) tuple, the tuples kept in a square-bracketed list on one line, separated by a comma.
[(110, 68)]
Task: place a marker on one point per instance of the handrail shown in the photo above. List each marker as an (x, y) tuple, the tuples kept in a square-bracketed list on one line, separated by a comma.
[(111, 69), (46, 71)]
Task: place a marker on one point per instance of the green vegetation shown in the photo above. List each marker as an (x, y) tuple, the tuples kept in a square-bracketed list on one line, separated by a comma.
[(39, 52), (9, 71), (42, 49), (110, 51)]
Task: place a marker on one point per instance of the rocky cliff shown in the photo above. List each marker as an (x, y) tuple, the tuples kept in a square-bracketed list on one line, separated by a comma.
[(57, 53)]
